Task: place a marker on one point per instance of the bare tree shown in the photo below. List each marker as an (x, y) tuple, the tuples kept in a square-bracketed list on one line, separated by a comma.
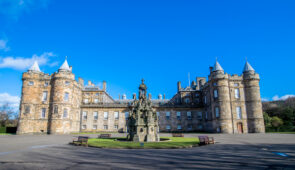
[(8, 116)]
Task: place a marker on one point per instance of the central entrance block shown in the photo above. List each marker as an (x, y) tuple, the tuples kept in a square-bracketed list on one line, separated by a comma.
[(143, 120)]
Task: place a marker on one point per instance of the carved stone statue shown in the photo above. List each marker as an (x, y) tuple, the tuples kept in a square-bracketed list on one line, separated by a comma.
[(143, 120)]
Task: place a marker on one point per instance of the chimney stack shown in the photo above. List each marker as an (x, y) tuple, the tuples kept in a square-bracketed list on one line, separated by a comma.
[(178, 86), (81, 81), (104, 85), (134, 96)]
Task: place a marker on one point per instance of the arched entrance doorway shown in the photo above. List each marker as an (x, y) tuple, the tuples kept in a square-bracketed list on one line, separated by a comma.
[(240, 127)]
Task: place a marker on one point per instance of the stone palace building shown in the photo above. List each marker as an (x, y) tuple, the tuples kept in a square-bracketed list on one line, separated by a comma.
[(58, 104)]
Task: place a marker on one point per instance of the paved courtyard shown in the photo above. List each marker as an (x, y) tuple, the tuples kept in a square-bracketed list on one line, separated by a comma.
[(248, 151)]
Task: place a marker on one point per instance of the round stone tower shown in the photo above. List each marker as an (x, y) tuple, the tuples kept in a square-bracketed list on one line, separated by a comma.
[(65, 102), (220, 97), (253, 100)]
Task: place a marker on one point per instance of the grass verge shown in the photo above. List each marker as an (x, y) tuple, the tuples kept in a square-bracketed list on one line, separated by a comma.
[(173, 143), (282, 132)]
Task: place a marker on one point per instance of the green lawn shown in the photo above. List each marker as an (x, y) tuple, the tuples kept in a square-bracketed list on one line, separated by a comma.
[(173, 143), (7, 133)]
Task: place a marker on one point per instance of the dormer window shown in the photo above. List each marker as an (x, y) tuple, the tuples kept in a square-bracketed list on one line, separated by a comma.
[(187, 101), (31, 83)]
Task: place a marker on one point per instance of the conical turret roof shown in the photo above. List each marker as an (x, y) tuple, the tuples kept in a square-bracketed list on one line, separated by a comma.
[(35, 67), (248, 67), (65, 66), (217, 67)]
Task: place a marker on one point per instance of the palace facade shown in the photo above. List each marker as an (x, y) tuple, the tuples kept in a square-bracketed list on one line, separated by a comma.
[(221, 103)]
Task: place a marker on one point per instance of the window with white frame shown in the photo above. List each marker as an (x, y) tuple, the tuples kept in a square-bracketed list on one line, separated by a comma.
[(116, 115), (65, 114), (66, 96), (199, 115), (94, 127), (179, 127), (95, 115), (167, 115), (236, 84), (95, 100), (84, 115), (126, 115), (43, 112), (178, 114), (83, 126), (116, 127), (44, 96), (239, 112), (237, 93), (105, 127), (105, 115), (86, 101), (215, 93), (168, 127), (189, 115), (217, 112), (30, 83)]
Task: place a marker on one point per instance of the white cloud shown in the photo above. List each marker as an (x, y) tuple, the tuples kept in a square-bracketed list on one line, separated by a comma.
[(264, 99), (14, 8), (285, 97), (3, 45), (13, 101), (21, 63)]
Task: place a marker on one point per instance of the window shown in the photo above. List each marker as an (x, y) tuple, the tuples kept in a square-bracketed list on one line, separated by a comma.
[(237, 93), (105, 127), (206, 116), (158, 114), (31, 83), (205, 99), (200, 127), (215, 93), (27, 109), (215, 84), (46, 84), (116, 126), (189, 115), (83, 126), (95, 115), (95, 100), (55, 110), (167, 115), (67, 83), (44, 96), (94, 127), (186, 100), (218, 130), (217, 112), (96, 94), (189, 127), (199, 115), (179, 127), (236, 84), (178, 115), (86, 101), (43, 112), (105, 115), (168, 127), (116, 115), (65, 115), (239, 112), (126, 115), (84, 115), (66, 96)]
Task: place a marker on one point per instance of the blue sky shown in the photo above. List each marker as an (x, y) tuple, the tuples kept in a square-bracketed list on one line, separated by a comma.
[(161, 41)]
